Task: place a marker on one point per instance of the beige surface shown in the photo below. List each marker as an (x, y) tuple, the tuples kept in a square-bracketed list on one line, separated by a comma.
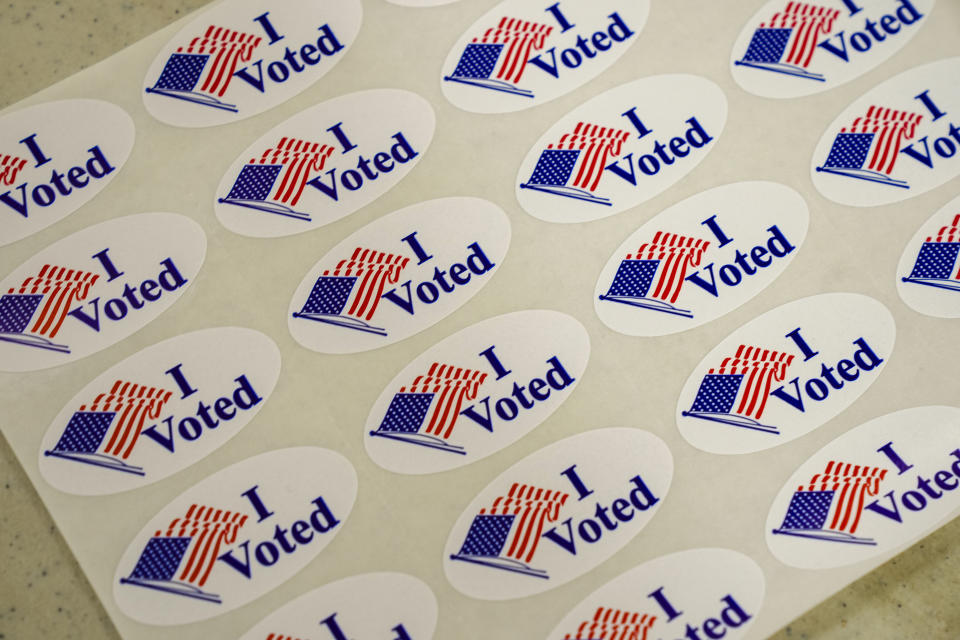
[(42, 590)]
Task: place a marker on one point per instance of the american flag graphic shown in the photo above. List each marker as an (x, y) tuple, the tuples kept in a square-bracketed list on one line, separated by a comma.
[(300, 159), (206, 530), (134, 405), (375, 270), (227, 49), (61, 288), (532, 508), (451, 386), (280, 636), (881, 129), (613, 624), (10, 166), (597, 144), (844, 488), (937, 259), (760, 368), (676, 254), (519, 39), (808, 22)]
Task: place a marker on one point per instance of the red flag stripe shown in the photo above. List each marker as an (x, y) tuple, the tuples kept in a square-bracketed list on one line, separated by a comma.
[(10, 166)]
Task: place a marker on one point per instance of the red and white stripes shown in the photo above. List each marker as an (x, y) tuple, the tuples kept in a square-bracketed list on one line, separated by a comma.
[(134, 404), (854, 483), (676, 254), (890, 128), (452, 386), (209, 529), (375, 270), (227, 49), (521, 38), (300, 159), (598, 144), (808, 22), (61, 288), (761, 367), (533, 508)]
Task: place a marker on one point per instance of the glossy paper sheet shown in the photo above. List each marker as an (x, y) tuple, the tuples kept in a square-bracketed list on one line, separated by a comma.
[(517, 320)]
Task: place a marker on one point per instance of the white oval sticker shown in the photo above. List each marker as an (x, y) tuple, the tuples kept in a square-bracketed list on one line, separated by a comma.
[(928, 274), (159, 411), (399, 275), (372, 605), (54, 158), (235, 536), (790, 49), (715, 592), (477, 392), (785, 373), (325, 163), (701, 258), (897, 141), (241, 58), (621, 148), (96, 287), (873, 489), (558, 513), (521, 54)]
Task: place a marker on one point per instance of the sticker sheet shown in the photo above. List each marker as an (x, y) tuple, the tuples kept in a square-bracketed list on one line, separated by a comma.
[(435, 319)]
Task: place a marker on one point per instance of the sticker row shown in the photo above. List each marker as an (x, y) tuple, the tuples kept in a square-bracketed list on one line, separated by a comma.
[(244, 57), (550, 518), (614, 152), (474, 393), (693, 263)]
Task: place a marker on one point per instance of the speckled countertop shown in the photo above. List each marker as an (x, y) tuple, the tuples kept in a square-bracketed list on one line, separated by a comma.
[(43, 592)]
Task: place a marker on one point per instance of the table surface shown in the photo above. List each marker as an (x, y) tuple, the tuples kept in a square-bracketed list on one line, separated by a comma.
[(43, 591)]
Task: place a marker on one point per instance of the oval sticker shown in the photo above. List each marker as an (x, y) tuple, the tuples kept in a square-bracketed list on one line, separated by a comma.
[(159, 411), (785, 373), (477, 392), (870, 491), (54, 158), (372, 605), (896, 142), (521, 54), (790, 49), (717, 592), (235, 536), (325, 163), (243, 57), (96, 287), (621, 148), (399, 275), (558, 513), (928, 275), (701, 258)]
